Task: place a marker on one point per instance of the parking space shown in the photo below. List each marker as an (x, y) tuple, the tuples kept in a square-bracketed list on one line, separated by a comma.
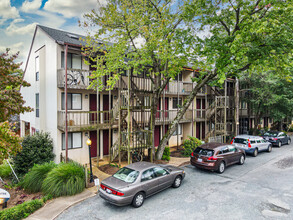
[(261, 188)]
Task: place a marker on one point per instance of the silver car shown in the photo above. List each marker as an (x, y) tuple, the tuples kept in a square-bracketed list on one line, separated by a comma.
[(252, 144), (137, 181)]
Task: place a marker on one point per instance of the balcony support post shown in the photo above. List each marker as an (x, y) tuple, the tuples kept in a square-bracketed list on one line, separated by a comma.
[(66, 123)]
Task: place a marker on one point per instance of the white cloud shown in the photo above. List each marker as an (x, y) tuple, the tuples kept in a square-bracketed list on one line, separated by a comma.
[(50, 19), (14, 48), (73, 8), (6, 11), (13, 29), (31, 6)]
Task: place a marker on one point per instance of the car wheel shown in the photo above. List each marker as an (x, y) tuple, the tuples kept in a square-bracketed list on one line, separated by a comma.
[(279, 144), (269, 148), (289, 141), (241, 160), (138, 200), (255, 152), (177, 182), (222, 167)]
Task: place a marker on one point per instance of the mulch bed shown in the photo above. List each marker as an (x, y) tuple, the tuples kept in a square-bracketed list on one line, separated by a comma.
[(177, 153), (107, 168), (18, 195)]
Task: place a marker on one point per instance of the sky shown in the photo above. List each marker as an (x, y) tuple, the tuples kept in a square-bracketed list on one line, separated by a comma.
[(18, 19)]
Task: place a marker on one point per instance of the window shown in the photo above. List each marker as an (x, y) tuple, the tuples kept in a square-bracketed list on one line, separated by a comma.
[(74, 101), (178, 130), (74, 140), (147, 101), (37, 68), (126, 175), (37, 105), (148, 175), (178, 76), (160, 171), (240, 141), (258, 141), (204, 152), (232, 149), (74, 61), (225, 150), (175, 102), (252, 142)]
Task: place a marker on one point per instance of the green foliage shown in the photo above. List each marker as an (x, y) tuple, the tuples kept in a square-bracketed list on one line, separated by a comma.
[(21, 211), (33, 180), (290, 128), (65, 179), (36, 149), (9, 141), (166, 154), (5, 170), (190, 144)]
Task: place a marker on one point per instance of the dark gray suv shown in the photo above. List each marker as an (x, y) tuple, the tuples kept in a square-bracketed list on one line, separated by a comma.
[(277, 138)]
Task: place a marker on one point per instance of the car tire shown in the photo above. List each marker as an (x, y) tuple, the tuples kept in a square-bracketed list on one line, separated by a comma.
[(255, 152), (241, 160), (138, 200), (279, 144), (289, 141), (222, 167), (269, 148), (177, 182)]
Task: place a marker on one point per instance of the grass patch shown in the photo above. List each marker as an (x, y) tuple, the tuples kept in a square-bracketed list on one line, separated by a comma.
[(65, 179), (33, 180)]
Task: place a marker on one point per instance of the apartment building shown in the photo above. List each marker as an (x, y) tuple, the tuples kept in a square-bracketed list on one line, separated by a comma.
[(116, 120)]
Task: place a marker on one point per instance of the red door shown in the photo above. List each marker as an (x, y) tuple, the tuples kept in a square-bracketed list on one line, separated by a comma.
[(166, 107), (106, 107), (158, 109), (93, 107), (105, 142), (203, 131), (198, 107), (198, 130), (157, 136), (94, 149)]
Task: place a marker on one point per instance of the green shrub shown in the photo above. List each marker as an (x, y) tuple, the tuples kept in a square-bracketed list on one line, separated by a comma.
[(21, 211), (190, 144), (33, 180), (65, 179), (5, 170), (166, 154), (36, 149)]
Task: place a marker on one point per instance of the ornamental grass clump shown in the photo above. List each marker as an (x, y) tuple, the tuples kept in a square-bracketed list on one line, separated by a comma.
[(33, 180), (65, 179)]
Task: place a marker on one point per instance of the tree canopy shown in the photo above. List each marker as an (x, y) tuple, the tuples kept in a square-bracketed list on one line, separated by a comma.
[(219, 38), (11, 102)]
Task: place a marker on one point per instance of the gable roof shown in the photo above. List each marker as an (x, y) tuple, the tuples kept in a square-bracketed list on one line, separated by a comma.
[(63, 36)]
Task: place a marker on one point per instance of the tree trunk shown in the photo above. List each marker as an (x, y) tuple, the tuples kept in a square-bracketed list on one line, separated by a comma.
[(257, 121), (181, 112)]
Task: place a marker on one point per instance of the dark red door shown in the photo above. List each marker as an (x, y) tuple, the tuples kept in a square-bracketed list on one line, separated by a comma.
[(158, 109), (203, 135), (94, 149), (93, 107), (105, 142), (166, 107), (106, 107), (157, 136), (198, 107), (198, 130)]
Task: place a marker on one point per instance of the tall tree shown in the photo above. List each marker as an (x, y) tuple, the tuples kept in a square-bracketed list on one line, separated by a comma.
[(11, 102), (164, 35)]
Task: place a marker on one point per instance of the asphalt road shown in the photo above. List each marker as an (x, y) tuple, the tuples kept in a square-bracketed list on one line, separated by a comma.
[(262, 188)]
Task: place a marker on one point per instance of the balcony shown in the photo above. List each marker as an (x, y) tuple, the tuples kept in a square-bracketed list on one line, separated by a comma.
[(182, 88), (85, 120), (169, 115), (199, 114)]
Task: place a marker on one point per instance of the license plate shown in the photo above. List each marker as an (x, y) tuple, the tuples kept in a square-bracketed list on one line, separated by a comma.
[(108, 191), (199, 160)]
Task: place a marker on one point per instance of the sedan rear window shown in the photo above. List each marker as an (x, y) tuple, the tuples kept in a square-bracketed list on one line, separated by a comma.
[(127, 175), (240, 141), (271, 134), (204, 152)]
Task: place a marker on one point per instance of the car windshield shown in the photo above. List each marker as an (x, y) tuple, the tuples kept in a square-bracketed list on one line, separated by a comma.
[(127, 175), (240, 141), (271, 134), (204, 152)]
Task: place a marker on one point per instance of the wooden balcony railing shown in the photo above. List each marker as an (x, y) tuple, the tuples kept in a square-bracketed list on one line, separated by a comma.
[(84, 120), (183, 88), (169, 116)]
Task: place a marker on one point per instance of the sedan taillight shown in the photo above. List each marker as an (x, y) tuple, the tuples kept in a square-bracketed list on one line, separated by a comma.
[(192, 154), (275, 139), (213, 159), (112, 190)]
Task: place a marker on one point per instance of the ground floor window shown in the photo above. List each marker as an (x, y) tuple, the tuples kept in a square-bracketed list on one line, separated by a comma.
[(178, 131), (74, 140)]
